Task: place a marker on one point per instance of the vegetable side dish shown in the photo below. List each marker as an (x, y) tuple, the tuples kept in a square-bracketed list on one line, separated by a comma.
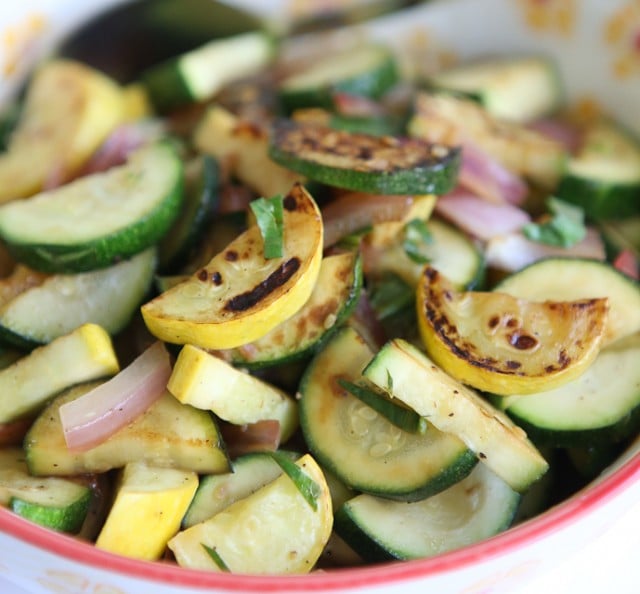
[(258, 302)]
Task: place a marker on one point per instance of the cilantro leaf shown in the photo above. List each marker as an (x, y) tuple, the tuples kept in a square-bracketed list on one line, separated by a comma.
[(308, 488), (564, 228), (417, 239), (269, 213), (217, 559)]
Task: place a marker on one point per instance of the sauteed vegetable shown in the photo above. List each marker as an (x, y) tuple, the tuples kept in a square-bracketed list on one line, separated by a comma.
[(311, 306)]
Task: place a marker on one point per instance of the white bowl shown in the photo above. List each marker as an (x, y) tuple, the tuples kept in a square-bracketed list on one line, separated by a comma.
[(586, 543)]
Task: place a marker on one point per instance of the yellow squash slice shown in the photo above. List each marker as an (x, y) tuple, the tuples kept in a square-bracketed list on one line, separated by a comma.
[(243, 147), (149, 506), (505, 345), (69, 111), (275, 530), (203, 380), (239, 295)]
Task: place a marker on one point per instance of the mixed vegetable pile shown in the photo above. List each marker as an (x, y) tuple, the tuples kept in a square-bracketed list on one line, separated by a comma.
[(257, 302)]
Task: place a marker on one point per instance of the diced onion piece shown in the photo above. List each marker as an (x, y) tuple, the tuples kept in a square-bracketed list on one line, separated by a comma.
[(124, 139), (13, 432), (627, 263), (262, 436), (481, 219), (489, 179), (366, 323), (353, 211), (560, 131), (514, 251), (358, 106), (98, 414)]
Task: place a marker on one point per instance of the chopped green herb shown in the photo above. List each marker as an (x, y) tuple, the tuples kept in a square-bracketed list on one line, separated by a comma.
[(389, 381), (390, 296), (216, 557), (306, 485), (394, 411), (269, 213), (565, 227), (417, 241)]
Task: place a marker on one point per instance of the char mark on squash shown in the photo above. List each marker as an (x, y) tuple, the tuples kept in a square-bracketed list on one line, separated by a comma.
[(276, 279)]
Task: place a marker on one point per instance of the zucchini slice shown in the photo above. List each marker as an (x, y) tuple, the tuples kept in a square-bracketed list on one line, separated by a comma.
[(601, 406), (167, 435), (57, 503), (216, 492), (407, 374), (368, 70), (568, 279), (519, 89), (201, 194), (83, 355), (362, 162), (451, 120), (239, 295), (362, 448), (108, 297), (200, 73), (99, 219), (450, 251), (479, 506), (603, 178), (332, 301)]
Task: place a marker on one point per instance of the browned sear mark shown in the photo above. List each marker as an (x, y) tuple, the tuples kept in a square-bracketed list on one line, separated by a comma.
[(276, 279), (364, 152), (523, 342)]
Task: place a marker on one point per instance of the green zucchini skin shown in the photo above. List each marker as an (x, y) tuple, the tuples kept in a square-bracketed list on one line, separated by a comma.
[(603, 177), (360, 447), (519, 88), (248, 473), (601, 200), (195, 440), (410, 166), (57, 503), (108, 297), (200, 73), (477, 507), (85, 252), (202, 184), (372, 71), (336, 296)]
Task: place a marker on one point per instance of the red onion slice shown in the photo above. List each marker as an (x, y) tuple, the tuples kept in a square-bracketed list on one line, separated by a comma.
[(489, 179), (481, 219), (627, 263), (514, 251), (355, 210), (262, 436), (98, 414)]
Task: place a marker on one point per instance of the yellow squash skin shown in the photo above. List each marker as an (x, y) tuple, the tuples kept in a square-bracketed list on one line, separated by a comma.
[(272, 531), (70, 109), (497, 343), (243, 146), (149, 506), (239, 295)]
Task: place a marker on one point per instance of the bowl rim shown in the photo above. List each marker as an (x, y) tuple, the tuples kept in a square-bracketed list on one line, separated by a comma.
[(559, 517)]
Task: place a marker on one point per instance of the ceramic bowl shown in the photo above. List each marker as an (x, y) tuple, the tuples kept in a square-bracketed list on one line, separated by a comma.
[(585, 543)]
